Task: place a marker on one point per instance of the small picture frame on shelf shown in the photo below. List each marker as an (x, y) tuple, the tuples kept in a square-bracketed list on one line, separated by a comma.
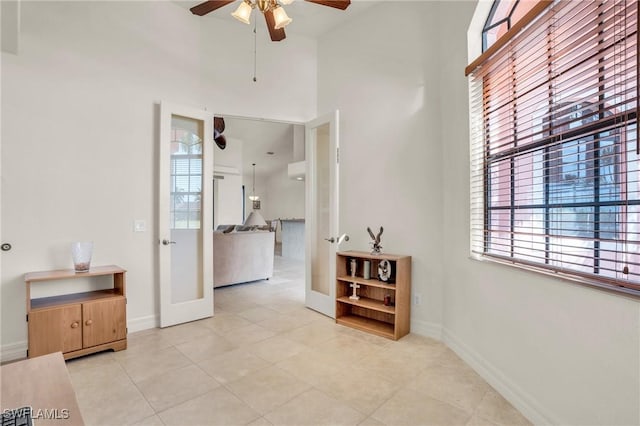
[(384, 270)]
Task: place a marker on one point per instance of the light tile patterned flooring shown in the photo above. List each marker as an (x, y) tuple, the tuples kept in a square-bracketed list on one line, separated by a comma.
[(264, 359)]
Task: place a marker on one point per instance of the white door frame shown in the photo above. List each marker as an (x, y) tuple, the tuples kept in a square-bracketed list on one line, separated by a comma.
[(315, 300), (177, 313)]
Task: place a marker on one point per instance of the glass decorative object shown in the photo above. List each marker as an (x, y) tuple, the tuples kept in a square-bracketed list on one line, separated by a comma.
[(81, 253), (366, 273)]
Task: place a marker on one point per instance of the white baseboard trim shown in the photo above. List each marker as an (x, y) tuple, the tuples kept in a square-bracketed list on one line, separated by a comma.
[(525, 403), (426, 329), (13, 351), (143, 323)]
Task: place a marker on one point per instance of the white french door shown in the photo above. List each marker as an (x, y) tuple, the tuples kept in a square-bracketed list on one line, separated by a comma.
[(185, 214), (321, 213)]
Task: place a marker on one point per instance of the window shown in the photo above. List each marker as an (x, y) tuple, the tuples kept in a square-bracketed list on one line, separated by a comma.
[(503, 14), (555, 180), (186, 176)]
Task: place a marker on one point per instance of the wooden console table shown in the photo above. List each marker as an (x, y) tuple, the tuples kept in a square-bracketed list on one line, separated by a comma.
[(42, 383), (77, 324)]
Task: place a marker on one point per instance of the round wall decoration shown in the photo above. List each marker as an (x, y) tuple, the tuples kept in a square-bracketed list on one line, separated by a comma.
[(384, 270)]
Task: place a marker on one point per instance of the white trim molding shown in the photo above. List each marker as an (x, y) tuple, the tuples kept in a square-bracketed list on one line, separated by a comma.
[(521, 400), (143, 323), (18, 350), (426, 329), (13, 351)]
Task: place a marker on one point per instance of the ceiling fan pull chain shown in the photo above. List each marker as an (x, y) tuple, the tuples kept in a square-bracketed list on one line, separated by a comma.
[(255, 50)]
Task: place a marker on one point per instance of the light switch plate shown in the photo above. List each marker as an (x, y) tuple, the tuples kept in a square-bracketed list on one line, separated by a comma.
[(139, 226)]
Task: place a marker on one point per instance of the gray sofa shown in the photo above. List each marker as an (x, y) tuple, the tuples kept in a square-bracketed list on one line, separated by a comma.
[(243, 256)]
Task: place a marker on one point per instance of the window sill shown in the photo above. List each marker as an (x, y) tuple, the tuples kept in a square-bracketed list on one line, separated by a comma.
[(593, 284)]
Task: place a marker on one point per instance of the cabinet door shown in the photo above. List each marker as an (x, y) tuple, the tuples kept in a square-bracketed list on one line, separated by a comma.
[(104, 321), (55, 330)]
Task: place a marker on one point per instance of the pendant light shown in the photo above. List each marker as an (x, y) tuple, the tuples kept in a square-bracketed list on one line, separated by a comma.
[(253, 197), (254, 218)]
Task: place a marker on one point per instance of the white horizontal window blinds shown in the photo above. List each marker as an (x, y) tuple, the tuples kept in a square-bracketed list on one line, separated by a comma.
[(186, 180), (555, 173)]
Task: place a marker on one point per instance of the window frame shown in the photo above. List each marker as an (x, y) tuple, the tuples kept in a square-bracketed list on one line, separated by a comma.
[(600, 130), (489, 24)]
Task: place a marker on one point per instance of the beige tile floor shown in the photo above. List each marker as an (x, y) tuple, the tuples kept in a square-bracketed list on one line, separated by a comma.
[(264, 359)]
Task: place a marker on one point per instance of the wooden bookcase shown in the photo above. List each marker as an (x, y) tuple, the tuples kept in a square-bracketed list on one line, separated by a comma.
[(369, 313), (77, 324)]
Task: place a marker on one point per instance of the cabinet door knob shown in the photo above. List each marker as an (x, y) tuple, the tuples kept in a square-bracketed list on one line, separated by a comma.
[(88, 322), (75, 324)]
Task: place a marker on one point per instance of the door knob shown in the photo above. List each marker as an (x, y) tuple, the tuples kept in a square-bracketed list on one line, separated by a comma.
[(167, 242), (5, 247), (341, 238), (88, 322)]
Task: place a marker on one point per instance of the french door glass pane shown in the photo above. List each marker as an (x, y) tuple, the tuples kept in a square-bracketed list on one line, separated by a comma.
[(185, 209), (320, 264)]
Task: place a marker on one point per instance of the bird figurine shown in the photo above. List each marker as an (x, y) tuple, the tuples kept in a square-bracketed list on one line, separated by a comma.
[(376, 248)]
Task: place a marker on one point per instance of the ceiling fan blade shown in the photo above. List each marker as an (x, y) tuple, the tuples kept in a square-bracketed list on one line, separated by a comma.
[(276, 35), (338, 4), (218, 124), (209, 6)]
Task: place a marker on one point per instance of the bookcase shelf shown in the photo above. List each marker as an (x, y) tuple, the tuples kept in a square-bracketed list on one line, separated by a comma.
[(369, 313), (369, 282), (363, 302), (369, 325)]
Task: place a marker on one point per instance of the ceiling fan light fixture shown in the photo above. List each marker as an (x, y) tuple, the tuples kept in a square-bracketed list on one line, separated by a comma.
[(272, 10), (243, 13), (281, 18)]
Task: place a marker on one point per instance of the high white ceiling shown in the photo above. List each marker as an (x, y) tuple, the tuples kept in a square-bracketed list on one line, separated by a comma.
[(309, 19), (259, 136)]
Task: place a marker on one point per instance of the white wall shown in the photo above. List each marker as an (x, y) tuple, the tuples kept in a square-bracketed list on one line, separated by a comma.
[(280, 197), (228, 200), (381, 72), (227, 206), (286, 196), (298, 143), (562, 353), (79, 130)]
